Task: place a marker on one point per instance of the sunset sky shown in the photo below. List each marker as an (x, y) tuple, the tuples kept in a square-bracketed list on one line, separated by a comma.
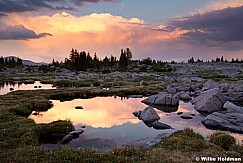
[(41, 30)]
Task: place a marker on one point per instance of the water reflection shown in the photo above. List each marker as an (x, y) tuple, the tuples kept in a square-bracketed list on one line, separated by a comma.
[(96, 112), (6, 86), (109, 121)]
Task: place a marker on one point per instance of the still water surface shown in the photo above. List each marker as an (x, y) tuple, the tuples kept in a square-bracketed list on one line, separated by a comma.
[(5, 87), (109, 121)]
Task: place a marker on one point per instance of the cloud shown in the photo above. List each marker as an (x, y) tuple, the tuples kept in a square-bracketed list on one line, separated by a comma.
[(19, 32), (215, 28), (14, 6), (103, 33), (219, 5)]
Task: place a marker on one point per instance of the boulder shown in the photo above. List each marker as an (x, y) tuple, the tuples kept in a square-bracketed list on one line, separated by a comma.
[(236, 95), (148, 115), (180, 88), (162, 99), (225, 121), (196, 86), (210, 84), (160, 126), (209, 101), (185, 96), (230, 107), (150, 100), (171, 90), (185, 80)]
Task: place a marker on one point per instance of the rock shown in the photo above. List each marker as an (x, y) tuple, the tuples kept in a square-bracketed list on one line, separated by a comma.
[(197, 79), (179, 113), (171, 90), (148, 115), (209, 101), (196, 86), (11, 89), (39, 86), (181, 88), (185, 96), (239, 89), (186, 117), (186, 80), (35, 86), (141, 82), (160, 126), (79, 107), (230, 107), (71, 135), (229, 121), (236, 95), (137, 114), (148, 142), (210, 84), (136, 96), (162, 99), (150, 100)]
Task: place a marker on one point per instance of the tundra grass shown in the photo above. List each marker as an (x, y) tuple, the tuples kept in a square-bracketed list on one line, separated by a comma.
[(20, 137)]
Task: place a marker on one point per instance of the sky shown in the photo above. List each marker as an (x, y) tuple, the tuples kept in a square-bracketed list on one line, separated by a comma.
[(42, 30)]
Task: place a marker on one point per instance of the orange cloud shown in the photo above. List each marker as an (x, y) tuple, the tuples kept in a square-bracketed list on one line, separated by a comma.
[(102, 33)]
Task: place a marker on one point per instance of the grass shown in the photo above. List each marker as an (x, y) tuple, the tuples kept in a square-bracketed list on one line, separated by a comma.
[(223, 140), (20, 137)]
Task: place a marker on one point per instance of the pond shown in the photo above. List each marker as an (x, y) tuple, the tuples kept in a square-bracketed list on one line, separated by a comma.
[(109, 120), (5, 87)]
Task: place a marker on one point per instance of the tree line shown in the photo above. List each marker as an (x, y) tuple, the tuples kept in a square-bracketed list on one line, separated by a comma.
[(10, 62), (217, 60), (83, 61)]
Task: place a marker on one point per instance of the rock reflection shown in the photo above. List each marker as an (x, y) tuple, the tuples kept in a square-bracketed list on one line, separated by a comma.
[(166, 109)]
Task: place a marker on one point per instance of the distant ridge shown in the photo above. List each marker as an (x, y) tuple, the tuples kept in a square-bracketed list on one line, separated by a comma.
[(27, 62)]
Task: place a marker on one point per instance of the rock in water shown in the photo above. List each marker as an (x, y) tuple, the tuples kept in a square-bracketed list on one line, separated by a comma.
[(160, 126), (209, 101), (162, 99), (79, 107), (229, 122), (147, 115), (71, 135)]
